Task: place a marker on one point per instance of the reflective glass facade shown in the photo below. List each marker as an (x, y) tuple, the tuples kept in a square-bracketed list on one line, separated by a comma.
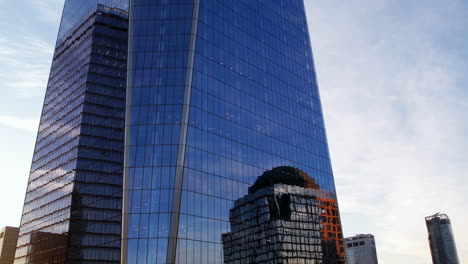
[(72, 209), (218, 93), (74, 11), (441, 240)]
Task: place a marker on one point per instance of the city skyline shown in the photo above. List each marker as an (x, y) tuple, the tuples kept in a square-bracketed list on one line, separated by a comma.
[(399, 143)]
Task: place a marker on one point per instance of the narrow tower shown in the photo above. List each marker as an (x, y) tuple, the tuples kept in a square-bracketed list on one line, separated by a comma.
[(441, 240), (72, 209)]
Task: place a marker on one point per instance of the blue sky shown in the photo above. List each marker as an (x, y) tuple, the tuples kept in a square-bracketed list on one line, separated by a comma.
[(394, 87)]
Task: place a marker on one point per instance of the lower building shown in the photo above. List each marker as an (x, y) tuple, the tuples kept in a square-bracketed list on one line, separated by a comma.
[(360, 249), (282, 220), (441, 240), (8, 239)]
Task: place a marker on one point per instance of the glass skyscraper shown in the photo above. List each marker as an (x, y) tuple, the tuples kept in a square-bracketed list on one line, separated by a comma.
[(441, 240), (218, 93), (72, 208)]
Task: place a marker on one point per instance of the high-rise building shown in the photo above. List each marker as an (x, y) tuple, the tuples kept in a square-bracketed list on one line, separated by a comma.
[(361, 249), (441, 240), (8, 240), (280, 221), (72, 208), (218, 93)]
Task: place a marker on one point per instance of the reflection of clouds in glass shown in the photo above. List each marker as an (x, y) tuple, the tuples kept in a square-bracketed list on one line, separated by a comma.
[(48, 179), (76, 172), (255, 150), (247, 163)]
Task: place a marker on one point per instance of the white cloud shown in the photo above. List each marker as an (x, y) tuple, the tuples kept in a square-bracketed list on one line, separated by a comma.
[(394, 111), (24, 46), (30, 81), (19, 123), (22, 64), (48, 10)]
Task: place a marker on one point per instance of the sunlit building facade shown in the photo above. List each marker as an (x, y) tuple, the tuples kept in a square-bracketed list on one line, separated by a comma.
[(441, 239), (218, 93), (8, 240), (72, 208)]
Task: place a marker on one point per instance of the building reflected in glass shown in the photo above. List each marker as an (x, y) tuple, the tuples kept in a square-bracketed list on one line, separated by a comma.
[(441, 240), (281, 220), (72, 208)]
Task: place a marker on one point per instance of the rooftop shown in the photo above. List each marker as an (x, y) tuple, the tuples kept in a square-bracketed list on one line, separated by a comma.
[(284, 175)]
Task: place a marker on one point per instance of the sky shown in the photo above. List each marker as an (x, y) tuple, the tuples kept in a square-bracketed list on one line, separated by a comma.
[(394, 88)]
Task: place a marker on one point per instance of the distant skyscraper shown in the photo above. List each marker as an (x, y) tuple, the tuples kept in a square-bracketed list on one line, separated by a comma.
[(8, 240), (72, 209), (441, 240), (218, 93), (360, 249), (281, 221)]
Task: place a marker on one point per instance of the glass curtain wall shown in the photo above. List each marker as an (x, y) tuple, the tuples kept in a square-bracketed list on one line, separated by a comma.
[(158, 58), (74, 11), (72, 208), (219, 92)]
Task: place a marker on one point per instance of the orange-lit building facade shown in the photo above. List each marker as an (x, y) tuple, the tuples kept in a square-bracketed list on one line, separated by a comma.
[(332, 233)]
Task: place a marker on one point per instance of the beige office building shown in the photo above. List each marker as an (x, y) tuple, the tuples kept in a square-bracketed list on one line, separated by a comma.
[(8, 239)]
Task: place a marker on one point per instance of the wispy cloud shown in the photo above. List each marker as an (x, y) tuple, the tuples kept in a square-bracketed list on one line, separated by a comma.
[(395, 115), (30, 81), (22, 64), (47, 10), (30, 125)]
